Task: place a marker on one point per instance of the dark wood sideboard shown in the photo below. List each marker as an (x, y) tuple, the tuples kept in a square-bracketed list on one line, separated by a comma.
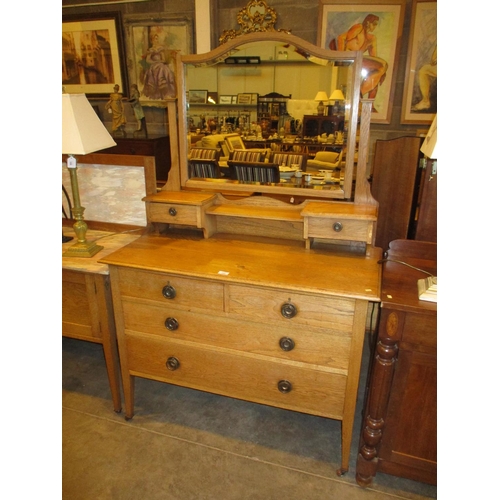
[(157, 146), (399, 432)]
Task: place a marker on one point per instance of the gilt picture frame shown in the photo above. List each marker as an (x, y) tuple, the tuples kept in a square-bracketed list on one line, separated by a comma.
[(96, 71), (420, 89), (374, 28), (153, 47)]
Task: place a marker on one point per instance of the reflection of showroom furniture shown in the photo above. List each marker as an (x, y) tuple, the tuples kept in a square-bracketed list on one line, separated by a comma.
[(325, 160), (317, 125), (199, 167), (253, 155), (253, 171), (399, 434), (289, 159), (270, 108), (205, 153)]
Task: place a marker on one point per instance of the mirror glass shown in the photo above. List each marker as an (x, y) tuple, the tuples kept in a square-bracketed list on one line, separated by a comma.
[(264, 95)]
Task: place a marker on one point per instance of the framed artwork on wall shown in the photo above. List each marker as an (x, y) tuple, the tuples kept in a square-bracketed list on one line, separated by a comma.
[(420, 90), (197, 96), (375, 29), (93, 58), (153, 46)]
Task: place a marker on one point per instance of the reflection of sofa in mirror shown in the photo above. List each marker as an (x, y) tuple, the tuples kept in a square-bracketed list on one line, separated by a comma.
[(204, 168), (325, 160), (248, 155), (289, 158), (254, 171)]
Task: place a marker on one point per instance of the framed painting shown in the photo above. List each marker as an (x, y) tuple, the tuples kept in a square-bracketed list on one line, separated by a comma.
[(420, 89), (244, 98), (153, 46), (197, 96), (93, 58), (225, 99), (234, 141), (375, 29)]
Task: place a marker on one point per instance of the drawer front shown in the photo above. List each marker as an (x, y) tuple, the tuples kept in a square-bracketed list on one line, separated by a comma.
[(347, 229), (243, 377), (310, 310), (172, 213), (188, 293), (318, 347)]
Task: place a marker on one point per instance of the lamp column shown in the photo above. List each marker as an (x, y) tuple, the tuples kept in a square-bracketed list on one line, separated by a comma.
[(82, 248)]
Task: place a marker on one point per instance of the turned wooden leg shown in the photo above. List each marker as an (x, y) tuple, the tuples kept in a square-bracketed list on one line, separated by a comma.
[(376, 405)]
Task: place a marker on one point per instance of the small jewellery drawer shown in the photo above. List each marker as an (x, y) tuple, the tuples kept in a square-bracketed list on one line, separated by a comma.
[(299, 344), (292, 308), (339, 229), (275, 383), (175, 291), (173, 213)]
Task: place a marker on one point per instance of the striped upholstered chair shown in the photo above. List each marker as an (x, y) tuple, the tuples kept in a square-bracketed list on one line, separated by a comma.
[(289, 158), (253, 155)]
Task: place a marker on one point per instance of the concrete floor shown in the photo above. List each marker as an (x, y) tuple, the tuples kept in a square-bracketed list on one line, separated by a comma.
[(186, 444)]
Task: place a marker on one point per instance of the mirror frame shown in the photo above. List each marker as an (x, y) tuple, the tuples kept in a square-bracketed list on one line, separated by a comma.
[(217, 56)]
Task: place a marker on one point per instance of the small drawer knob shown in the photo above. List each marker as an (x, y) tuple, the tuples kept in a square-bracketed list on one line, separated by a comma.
[(168, 292), (171, 324), (173, 363), (337, 227), (284, 386), (288, 310), (172, 211), (286, 343)]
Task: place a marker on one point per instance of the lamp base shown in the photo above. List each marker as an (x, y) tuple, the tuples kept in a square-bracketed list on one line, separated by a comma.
[(86, 249)]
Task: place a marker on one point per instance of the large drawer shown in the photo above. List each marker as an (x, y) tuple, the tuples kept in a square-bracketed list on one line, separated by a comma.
[(312, 391), (188, 293), (259, 304), (296, 343)]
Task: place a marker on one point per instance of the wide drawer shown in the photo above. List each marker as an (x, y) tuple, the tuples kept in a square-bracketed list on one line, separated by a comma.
[(290, 308), (189, 293), (173, 213), (313, 346), (339, 229), (244, 377)]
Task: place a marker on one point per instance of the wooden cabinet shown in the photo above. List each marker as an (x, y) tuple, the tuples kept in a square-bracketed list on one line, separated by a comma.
[(237, 319), (159, 147), (399, 434), (315, 125)]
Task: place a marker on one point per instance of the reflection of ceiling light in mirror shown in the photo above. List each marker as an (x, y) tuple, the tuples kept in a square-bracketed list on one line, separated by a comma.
[(211, 100), (364, 72)]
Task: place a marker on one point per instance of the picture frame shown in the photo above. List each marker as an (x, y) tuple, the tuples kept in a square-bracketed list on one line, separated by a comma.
[(234, 141), (197, 96), (153, 47), (225, 99), (224, 148), (254, 98), (244, 99), (234, 99), (81, 73), (381, 44), (213, 98), (420, 88)]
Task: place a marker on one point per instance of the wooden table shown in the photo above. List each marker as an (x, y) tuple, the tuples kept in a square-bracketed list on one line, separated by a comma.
[(87, 309), (400, 412)]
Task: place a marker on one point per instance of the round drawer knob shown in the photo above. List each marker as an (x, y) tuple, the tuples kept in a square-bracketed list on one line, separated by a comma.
[(171, 324), (172, 211), (287, 344), (284, 386), (168, 292), (288, 310), (173, 363), (337, 227)]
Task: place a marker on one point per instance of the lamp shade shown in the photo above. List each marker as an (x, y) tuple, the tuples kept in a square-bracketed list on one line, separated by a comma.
[(82, 131), (429, 146), (321, 96), (337, 95)]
